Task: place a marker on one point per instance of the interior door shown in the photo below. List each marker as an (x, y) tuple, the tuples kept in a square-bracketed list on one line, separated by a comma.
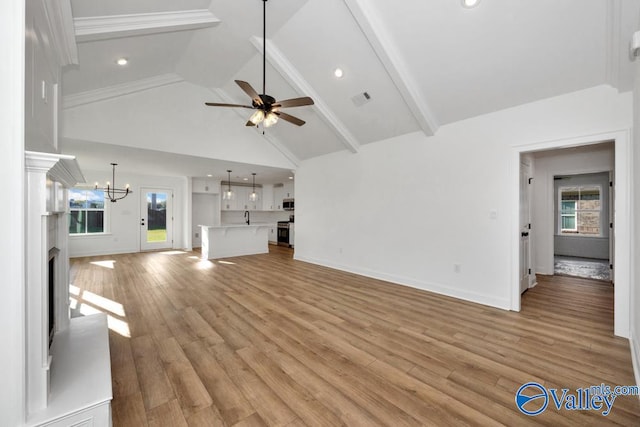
[(156, 219), (525, 224)]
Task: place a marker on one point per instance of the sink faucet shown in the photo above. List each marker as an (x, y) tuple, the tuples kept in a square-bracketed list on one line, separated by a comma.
[(247, 215)]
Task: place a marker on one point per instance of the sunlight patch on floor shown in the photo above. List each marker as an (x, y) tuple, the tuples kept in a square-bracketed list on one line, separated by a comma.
[(172, 252), (85, 303), (105, 303), (105, 264)]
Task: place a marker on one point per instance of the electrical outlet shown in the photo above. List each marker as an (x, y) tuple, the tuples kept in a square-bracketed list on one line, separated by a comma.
[(457, 268), (197, 235)]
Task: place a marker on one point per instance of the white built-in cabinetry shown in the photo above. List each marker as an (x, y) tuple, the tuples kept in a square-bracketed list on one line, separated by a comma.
[(270, 197), (206, 186), (240, 200)]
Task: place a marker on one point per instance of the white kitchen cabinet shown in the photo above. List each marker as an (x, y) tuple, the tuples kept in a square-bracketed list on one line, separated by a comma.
[(278, 195), (267, 197), (273, 233), (199, 185), (240, 200), (288, 189)]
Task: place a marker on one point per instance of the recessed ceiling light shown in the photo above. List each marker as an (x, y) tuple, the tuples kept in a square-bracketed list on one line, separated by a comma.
[(338, 73), (470, 3), (209, 175), (245, 179), (290, 177), (122, 61)]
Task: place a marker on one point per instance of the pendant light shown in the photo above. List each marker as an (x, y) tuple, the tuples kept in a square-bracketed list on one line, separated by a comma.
[(228, 195), (253, 196), (114, 194)]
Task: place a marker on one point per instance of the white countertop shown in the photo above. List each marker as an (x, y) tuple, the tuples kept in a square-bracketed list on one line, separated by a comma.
[(240, 225)]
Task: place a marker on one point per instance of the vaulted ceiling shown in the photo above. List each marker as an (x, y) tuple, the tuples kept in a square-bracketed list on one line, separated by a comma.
[(422, 64)]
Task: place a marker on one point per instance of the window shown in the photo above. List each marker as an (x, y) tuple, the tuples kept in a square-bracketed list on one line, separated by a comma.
[(580, 210), (86, 211)]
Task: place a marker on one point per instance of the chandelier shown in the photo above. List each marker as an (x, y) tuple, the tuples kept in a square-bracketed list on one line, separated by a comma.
[(113, 193)]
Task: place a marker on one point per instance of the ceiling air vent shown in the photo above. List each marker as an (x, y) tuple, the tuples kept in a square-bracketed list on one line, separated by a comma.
[(360, 99)]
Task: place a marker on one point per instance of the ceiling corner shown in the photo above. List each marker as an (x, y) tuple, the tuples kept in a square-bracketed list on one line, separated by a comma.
[(382, 45)]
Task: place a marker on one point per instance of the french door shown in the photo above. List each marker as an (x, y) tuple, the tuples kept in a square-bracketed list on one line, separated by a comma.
[(156, 219)]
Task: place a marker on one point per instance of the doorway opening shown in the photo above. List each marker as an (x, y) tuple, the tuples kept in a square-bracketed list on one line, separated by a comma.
[(552, 159), (156, 219), (583, 224)]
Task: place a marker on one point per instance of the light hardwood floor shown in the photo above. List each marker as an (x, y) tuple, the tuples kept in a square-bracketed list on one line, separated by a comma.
[(266, 340)]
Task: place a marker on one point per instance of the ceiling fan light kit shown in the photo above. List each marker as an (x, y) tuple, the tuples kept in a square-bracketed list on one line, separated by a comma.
[(267, 108)]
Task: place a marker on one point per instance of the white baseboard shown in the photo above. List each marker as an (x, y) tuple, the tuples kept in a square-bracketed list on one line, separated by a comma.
[(100, 253), (502, 303)]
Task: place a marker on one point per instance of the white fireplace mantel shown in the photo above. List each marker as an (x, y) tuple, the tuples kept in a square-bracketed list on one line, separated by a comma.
[(47, 174)]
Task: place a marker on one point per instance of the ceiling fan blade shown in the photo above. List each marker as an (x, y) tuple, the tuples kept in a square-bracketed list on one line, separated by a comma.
[(289, 118), (294, 102), (218, 104), (249, 90), (250, 124)]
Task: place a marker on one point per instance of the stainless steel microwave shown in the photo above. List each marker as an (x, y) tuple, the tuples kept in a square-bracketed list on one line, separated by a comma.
[(287, 204)]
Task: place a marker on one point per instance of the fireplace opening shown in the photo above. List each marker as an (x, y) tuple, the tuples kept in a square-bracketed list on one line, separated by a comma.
[(51, 293)]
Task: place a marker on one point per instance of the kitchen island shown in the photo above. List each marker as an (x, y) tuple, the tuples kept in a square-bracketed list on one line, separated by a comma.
[(224, 241)]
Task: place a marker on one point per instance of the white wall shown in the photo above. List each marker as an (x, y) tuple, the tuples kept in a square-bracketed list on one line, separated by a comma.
[(12, 34), (409, 208), (589, 159), (635, 276), (124, 216), (184, 125), (206, 211)]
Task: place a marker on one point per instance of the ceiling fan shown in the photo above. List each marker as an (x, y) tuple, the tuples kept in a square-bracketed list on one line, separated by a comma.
[(267, 108)]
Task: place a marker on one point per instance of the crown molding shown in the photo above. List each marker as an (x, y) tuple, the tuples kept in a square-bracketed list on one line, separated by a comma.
[(270, 138), (115, 26), (60, 19), (379, 39), (277, 59), (96, 95)]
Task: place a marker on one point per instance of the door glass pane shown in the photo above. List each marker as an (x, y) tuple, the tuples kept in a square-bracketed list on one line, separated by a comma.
[(156, 217)]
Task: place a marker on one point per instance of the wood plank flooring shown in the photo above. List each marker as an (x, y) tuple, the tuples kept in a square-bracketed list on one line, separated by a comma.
[(268, 341)]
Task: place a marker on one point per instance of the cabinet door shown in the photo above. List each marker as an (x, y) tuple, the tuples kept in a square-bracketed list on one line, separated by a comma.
[(241, 198), (278, 195), (267, 198), (288, 190)]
